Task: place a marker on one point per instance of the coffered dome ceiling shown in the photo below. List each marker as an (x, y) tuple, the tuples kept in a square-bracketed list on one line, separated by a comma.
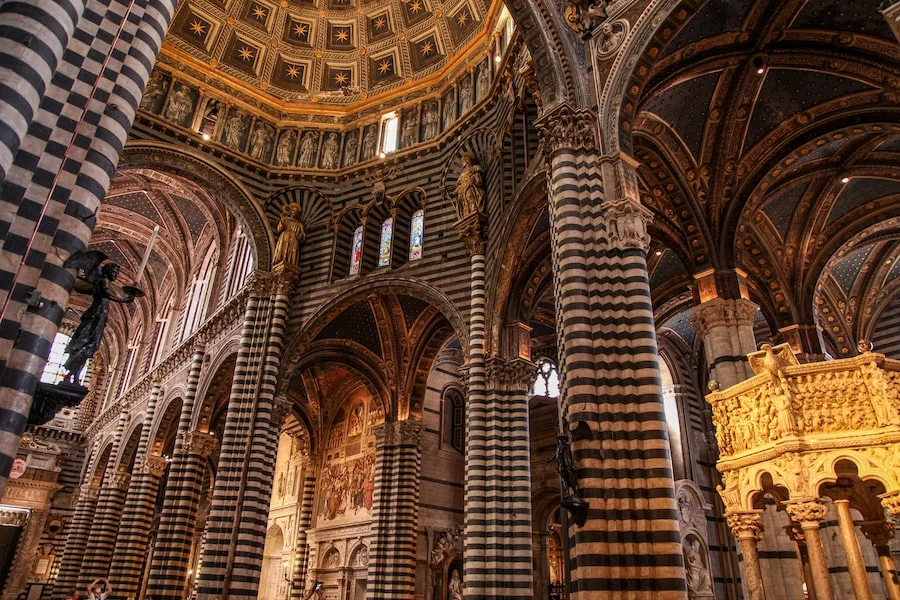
[(333, 52)]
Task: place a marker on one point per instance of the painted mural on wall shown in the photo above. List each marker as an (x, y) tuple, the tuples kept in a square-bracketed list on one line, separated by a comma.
[(310, 148)]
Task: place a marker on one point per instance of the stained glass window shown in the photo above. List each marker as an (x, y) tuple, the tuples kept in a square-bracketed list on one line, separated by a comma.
[(387, 236), (417, 231), (356, 252)]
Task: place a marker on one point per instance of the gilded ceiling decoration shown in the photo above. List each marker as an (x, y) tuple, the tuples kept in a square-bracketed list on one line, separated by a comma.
[(330, 51)]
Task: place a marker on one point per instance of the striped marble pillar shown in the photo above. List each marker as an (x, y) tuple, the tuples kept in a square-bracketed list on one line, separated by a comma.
[(630, 547), (304, 520), (477, 566), (106, 516), (76, 540), (726, 328), (169, 564), (395, 511), (120, 39), (140, 502), (236, 529)]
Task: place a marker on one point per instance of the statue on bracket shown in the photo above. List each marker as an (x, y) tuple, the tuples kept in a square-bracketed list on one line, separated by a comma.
[(469, 189), (292, 234)]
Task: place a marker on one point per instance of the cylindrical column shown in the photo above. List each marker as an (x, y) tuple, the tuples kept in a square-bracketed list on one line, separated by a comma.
[(795, 532), (140, 502), (395, 511), (880, 534), (304, 520), (726, 328), (808, 514), (850, 543), (76, 541), (609, 368), (747, 527), (168, 566)]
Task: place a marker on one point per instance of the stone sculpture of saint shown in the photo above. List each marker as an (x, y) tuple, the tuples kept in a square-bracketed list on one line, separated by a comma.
[(261, 142), (697, 574), (291, 235), (235, 128), (307, 159), (482, 83), (469, 188), (465, 95), (455, 588), (430, 120), (330, 152), (369, 142), (156, 89), (180, 105), (410, 131), (285, 149), (449, 109), (350, 148)]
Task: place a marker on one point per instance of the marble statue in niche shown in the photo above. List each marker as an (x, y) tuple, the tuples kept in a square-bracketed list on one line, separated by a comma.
[(261, 141), (370, 142), (469, 188), (307, 158), (449, 108), (236, 129), (330, 151), (430, 121), (455, 588), (466, 98), (483, 82), (696, 570), (180, 105), (154, 92), (285, 150), (351, 143), (410, 134), (292, 234)]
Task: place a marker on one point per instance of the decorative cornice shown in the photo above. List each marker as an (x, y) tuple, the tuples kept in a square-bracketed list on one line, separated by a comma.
[(626, 224), (567, 128)]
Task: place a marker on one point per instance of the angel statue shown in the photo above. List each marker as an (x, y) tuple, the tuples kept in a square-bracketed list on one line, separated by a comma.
[(95, 280)]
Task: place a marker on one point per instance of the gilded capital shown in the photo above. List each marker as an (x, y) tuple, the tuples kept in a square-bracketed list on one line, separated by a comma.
[(805, 511), (155, 465), (626, 224), (567, 128), (745, 524), (200, 443)]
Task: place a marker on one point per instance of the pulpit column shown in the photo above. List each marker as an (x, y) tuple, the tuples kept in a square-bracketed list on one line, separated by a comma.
[(880, 534), (747, 528), (808, 514)]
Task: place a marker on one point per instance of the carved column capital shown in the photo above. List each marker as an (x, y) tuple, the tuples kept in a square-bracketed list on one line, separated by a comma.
[(891, 503), (89, 492), (471, 230), (260, 283), (515, 374), (154, 465), (721, 312), (567, 128), (200, 443), (879, 533), (398, 433), (120, 480), (626, 224), (806, 512), (746, 524)]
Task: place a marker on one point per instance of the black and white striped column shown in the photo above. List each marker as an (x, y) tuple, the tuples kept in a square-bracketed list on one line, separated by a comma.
[(726, 328), (304, 520), (395, 511), (62, 173), (630, 546), (137, 516), (236, 529), (169, 564), (77, 534)]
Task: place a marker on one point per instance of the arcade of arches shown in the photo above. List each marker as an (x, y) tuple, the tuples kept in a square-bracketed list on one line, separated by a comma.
[(452, 299)]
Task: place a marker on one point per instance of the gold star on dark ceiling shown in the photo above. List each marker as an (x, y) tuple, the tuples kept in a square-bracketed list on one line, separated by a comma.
[(462, 19), (385, 66), (197, 27), (300, 29), (293, 71), (415, 6), (341, 78), (342, 35), (245, 53), (260, 12), (379, 23), (426, 49)]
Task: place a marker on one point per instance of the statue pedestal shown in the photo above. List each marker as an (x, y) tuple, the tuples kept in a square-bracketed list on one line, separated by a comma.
[(49, 399)]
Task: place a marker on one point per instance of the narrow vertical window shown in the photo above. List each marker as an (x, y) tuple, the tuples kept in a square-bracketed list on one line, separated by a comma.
[(390, 130), (417, 232), (356, 251), (54, 370), (384, 248)]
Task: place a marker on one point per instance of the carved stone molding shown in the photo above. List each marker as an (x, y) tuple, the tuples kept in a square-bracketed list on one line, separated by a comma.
[(398, 433), (626, 224), (567, 128), (745, 524), (120, 480), (471, 230), (200, 443), (721, 312), (805, 512), (515, 374), (891, 503), (15, 518), (154, 465)]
